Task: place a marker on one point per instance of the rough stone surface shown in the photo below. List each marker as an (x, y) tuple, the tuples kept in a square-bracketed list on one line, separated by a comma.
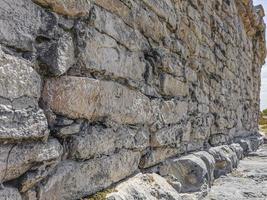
[(135, 14), (144, 186), (102, 54), (93, 99), (210, 164), (113, 26), (225, 160), (167, 136), (19, 23), (247, 182), (18, 78), (32, 177), (9, 193), (16, 159), (21, 120), (20, 88), (72, 8), (94, 91), (58, 56), (238, 150), (72, 179), (158, 155), (250, 143), (189, 170), (95, 141)]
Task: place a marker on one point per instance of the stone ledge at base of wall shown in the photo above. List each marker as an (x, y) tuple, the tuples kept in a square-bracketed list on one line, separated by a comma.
[(170, 179), (250, 143), (176, 177)]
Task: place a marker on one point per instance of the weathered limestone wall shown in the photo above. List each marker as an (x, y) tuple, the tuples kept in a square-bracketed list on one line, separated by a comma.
[(94, 91)]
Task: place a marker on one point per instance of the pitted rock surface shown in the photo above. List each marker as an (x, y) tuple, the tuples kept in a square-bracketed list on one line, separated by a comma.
[(190, 171), (94, 92), (247, 182), (72, 8), (20, 89), (144, 186)]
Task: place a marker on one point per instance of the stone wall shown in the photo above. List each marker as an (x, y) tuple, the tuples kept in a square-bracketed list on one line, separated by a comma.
[(95, 91)]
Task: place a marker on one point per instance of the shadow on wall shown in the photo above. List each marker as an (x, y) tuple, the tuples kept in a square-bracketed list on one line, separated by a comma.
[(263, 121)]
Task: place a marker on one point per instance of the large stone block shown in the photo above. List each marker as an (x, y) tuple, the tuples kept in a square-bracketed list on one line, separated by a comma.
[(249, 143), (57, 55), (35, 175), (120, 8), (225, 160), (144, 186), (104, 55), (149, 23), (22, 120), (66, 130), (189, 170), (78, 97), (96, 100), (72, 8), (18, 78), (20, 88), (210, 164), (164, 9), (136, 16), (16, 159), (19, 23), (95, 141), (114, 26), (74, 180)]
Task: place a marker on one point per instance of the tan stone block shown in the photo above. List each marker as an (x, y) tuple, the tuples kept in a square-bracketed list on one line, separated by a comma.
[(72, 8), (77, 97), (75, 180), (171, 86)]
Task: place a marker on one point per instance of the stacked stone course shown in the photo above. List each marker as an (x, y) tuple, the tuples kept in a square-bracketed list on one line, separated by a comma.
[(93, 92)]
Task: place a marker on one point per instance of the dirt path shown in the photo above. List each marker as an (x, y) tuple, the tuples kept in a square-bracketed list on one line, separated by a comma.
[(248, 182)]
